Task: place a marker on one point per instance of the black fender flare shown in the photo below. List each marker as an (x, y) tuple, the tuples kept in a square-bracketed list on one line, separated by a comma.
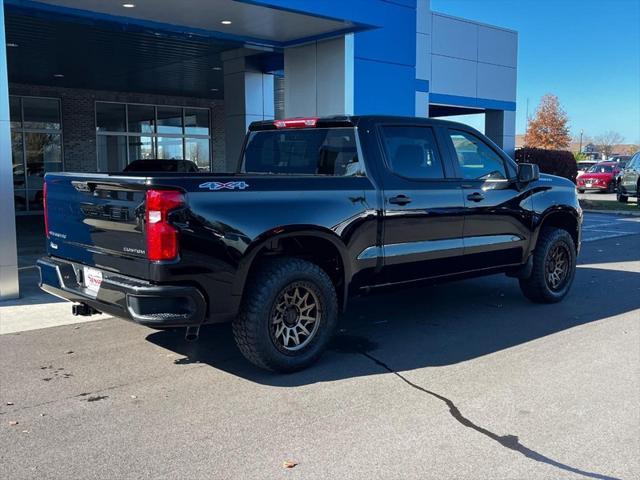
[(272, 236)]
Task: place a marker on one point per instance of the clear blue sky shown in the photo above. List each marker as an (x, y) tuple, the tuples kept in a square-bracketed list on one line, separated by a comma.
[(586, 52)]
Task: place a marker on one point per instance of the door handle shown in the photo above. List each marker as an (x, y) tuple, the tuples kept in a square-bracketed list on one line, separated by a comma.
[(400, 200), (475, 197)]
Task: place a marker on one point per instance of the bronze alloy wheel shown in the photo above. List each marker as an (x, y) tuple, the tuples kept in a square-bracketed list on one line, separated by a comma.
[(295, 317), (557, 266)]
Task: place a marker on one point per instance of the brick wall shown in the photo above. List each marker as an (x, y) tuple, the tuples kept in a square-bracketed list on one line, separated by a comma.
[(78, 120)]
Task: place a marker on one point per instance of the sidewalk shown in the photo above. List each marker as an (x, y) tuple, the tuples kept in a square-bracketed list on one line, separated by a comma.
[(34, 309)]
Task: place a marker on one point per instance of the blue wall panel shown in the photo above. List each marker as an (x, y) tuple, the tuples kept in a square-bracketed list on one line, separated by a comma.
[(384, 88)]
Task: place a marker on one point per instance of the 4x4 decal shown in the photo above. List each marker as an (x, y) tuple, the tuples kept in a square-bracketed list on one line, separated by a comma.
[(224, 185)]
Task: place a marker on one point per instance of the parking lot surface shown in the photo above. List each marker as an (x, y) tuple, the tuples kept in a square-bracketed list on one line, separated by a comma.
[(465, 380)]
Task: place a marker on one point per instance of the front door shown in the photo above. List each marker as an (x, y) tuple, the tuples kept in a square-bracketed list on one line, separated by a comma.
[(497, 224), (423, 206), (629, 177)]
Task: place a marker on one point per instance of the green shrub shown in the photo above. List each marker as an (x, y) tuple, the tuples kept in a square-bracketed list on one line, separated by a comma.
[(554, 162)]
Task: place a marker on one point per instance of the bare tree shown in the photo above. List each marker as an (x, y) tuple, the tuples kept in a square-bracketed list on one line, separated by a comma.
[(607, 141)]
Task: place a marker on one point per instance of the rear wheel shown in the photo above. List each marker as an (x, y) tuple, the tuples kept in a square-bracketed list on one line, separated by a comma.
[(288, 315), (554, 266)]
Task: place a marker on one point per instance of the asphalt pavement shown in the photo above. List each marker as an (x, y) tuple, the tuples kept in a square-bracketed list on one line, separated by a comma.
[(465, 380)]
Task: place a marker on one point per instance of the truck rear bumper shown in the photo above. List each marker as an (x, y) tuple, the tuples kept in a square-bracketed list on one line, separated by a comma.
[(126, 297)]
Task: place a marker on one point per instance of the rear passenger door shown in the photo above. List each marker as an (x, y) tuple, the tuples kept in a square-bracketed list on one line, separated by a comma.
[(422, 206), (496, 224)]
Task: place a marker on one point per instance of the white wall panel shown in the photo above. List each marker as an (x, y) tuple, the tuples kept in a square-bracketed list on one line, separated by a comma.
[(423, 16), (300, 81), (454, 38), (453, 76), (423, 56), (330, 77), (496, 82), (497, 46)]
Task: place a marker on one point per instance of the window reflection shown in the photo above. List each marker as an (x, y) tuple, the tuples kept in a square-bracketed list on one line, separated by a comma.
[(170, 120), (197, 150), (141, 118), (41, 113), (170, 148), (110, 117), (141, 148), (112, 153), (42, 154)]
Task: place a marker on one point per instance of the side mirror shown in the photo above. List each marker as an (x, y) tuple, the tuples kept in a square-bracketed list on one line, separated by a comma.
[(528, 172)]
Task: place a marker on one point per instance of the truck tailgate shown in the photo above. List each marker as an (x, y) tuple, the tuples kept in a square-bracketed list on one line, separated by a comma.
[(98, 220)]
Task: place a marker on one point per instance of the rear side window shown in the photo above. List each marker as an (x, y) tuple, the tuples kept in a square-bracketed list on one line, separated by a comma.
[(412, 152), (307, 151), (478, 161)]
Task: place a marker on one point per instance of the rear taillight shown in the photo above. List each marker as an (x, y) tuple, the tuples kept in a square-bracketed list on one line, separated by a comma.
[(162, 237), (296, 123), (44, 207)]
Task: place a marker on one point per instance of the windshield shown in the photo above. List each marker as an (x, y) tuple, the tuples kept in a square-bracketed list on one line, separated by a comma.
[(601, 169), (583, 167), (307, 151)]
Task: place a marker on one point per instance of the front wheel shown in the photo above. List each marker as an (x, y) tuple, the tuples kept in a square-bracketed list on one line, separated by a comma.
[(554, 267), (621, 198), (288, 315)]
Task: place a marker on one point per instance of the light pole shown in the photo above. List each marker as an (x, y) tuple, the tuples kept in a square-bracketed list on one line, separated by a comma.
[(580, 149)]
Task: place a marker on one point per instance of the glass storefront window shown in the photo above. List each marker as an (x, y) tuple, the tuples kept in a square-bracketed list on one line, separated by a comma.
[(151, 132), (196, 121), (197, 150), (170, 148), (112, 153), (17, 157), (15, 112), (110, 117), (170, 120), (36, 147), (43, 153), (142, 118), (20, 200), (41, 113), (141, 148)]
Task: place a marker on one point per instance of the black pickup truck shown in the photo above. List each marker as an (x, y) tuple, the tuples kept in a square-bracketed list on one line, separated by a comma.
[(319, 210)]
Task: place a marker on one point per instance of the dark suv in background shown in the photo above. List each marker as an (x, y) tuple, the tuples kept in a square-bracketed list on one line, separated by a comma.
[(629, 180)]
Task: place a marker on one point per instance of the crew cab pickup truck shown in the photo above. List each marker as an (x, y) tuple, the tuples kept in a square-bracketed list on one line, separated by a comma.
[(320, 210)]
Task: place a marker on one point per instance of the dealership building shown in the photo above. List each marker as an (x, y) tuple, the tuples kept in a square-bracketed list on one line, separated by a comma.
[(91, 85)]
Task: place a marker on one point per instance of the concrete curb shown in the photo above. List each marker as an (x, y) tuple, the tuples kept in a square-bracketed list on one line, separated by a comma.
[(614, 212)]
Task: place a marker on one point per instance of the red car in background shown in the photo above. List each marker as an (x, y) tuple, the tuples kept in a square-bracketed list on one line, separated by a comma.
[(600, 176)]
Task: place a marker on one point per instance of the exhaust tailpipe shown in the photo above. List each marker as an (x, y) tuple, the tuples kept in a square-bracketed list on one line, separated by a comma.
[(192, 333)]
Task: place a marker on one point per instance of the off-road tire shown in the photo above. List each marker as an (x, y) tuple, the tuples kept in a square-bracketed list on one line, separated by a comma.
[(251, 328), (536, 287)]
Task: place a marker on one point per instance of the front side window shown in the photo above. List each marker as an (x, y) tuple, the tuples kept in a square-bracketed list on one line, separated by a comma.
[(308, 151), (477, 160), (412, 152)]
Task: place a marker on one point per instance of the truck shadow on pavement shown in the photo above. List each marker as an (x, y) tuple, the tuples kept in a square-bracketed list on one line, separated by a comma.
[(400, 331)]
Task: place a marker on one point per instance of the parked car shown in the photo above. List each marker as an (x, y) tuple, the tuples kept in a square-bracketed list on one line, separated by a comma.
[(319, 211), (583, 166), (161, 165), (600, 177), (629, 180), (620, 158)]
